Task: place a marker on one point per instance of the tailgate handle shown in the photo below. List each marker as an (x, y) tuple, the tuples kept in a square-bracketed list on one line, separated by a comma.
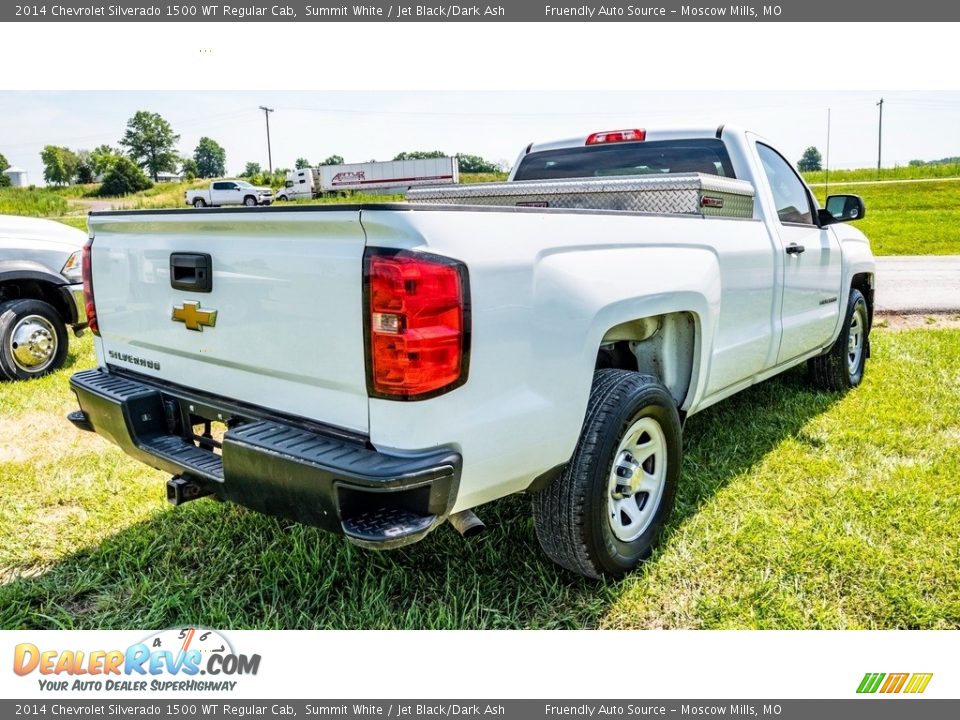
[(191, 271)]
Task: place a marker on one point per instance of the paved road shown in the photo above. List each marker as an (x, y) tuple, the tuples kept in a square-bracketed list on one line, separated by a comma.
[(98, 205), (918, 284)]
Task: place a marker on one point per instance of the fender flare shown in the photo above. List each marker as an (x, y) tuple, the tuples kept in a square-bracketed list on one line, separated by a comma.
[(29, 270)]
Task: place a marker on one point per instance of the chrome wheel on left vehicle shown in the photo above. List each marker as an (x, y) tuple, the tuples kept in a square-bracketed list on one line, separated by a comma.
[(33, 343), (33, 339)]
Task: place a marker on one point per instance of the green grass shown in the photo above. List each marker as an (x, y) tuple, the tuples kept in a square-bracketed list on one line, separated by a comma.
[(920, 218), (797, 509), (908, 218), (905, 172), (38, 202)]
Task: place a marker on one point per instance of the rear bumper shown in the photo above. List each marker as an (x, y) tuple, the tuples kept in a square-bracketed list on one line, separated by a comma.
[(277, 466)]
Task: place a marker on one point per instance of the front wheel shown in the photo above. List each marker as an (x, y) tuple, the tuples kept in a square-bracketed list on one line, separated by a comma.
[(33, 339), (607, 510), (250, 201), (841, 368)]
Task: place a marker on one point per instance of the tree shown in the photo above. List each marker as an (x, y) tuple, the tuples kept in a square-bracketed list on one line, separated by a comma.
[(150, 142), (4, 179), (85, 174), (476, 164), (211, 158), (302, 164), (421, 155), (59, 164), (251, 169), (333, 160), (811, 160), (188, 167), (124, 177), (102, 157)]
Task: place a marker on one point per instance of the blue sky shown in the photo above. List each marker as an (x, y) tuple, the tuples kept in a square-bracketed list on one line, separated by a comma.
[(370, 125)]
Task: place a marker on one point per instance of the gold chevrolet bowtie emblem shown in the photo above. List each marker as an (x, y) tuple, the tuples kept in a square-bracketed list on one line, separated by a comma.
[(193, 317)]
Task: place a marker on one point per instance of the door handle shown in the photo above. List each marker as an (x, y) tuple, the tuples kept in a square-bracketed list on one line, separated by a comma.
[(191, 271), (794, 249)]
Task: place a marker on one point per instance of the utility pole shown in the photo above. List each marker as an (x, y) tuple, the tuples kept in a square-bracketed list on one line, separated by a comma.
[(826, 184), (266, 114), (880, 136)]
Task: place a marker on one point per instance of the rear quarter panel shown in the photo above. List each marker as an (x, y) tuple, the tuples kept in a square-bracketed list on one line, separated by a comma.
[(545, 287)]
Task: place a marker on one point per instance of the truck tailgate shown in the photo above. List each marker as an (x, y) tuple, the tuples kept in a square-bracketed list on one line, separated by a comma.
[(286, 288)]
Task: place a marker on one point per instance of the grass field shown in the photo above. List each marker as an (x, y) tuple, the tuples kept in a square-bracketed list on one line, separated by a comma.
[(905, 172), (903, 218), (908, 218), (797, 509)]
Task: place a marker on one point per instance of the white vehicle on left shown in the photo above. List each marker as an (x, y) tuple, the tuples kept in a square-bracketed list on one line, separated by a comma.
[(41, 294), (229, 192)]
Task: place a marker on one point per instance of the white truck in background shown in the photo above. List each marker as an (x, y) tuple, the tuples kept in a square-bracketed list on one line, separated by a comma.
[(229, 192), (380, 369), (395, 176)]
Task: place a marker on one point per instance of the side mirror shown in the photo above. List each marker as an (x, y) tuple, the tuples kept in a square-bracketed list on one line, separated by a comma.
[(843, 208)]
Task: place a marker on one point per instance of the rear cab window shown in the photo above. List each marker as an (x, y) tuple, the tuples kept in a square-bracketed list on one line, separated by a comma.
[(708, 156)]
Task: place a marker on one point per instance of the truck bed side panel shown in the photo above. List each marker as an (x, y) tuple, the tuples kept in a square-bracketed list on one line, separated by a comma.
[(545, 287)]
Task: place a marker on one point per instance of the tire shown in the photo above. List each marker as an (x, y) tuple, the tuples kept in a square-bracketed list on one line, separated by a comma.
[(842, 366), (33, 339), (199, 203), (579, 518), (249, 201)]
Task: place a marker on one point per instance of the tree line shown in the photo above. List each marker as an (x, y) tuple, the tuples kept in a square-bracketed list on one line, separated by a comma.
[(148, 148)]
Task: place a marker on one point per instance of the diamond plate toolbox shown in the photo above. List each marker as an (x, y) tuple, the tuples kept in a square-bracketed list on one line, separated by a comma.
[(683, 194)]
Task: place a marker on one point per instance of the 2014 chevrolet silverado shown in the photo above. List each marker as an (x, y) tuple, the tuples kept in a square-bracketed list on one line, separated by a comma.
[(377, 370)]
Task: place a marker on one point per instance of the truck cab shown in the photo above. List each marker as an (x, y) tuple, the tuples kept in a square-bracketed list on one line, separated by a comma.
[(301, 184)]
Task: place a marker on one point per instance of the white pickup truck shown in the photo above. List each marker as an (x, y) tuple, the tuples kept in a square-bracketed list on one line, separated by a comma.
[(379, 369), (229, 192)]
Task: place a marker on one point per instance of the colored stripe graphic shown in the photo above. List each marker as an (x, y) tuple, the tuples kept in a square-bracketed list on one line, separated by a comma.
[(894, 683), (918, 683), (870, 682)]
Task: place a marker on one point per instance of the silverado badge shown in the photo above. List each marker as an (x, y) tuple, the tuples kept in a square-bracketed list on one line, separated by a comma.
[(193, 317)]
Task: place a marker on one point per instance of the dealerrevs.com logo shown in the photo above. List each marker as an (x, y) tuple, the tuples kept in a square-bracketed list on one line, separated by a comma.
[(181, 659)]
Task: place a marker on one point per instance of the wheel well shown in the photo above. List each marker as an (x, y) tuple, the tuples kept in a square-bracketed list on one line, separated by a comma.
[(36, 290), (662, 346), (864, 283)]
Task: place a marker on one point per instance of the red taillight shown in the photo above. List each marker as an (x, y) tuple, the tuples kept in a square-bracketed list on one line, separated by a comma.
[(615, 136), (89, 305), (417, 324)]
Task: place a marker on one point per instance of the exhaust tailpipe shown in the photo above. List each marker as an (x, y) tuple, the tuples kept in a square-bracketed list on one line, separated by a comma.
[(467, 523)]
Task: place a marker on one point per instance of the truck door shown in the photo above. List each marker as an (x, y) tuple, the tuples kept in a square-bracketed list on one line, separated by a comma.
[(223, 193), (812, 269)]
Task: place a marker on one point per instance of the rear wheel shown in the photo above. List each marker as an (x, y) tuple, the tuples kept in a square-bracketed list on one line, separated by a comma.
[(607, 510), (841, 368), (33, 339), (199, 203)]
